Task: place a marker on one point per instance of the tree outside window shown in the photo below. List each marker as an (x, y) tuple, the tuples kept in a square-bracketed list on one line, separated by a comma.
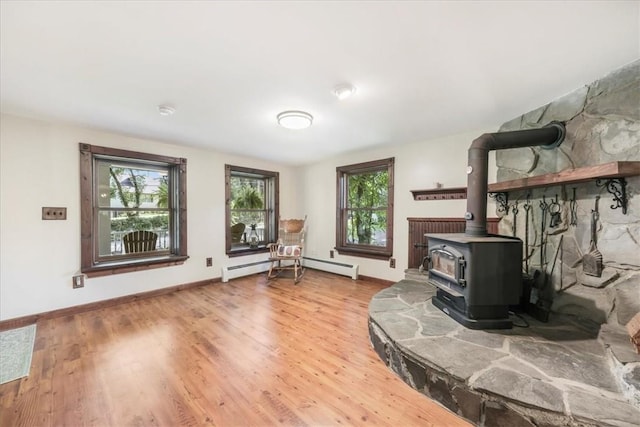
[(365, 209), (252, 209)]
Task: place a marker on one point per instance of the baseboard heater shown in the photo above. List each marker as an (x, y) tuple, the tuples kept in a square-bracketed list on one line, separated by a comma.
[(340, 268), (240, 270)]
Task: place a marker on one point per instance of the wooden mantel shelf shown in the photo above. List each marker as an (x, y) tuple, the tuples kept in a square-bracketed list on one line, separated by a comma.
[(569, 176), (453, 193)]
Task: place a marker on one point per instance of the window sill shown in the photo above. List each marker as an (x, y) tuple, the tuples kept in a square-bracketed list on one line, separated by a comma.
[(247, 251), (364, 253), (107, 269)]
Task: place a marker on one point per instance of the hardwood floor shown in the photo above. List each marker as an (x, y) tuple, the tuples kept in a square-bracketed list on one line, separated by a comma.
[(243, 353)]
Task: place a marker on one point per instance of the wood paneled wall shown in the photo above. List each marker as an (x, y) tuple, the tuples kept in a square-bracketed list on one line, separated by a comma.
[(418, 227)]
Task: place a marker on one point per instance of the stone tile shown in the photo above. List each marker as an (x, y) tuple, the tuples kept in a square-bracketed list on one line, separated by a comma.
[(429, 308), (520, 388), (622, 101), (532, 118), (378, 305), (560, 362), (602, 409), (616, 338), (484, 338), (416, 297), (517, 365), (469, 403), (498, 415), (617, 80), (621, 241), (522, 160), (378, 339), (567, 107), (631, 379), (627, 298), (439, 352), (416, 374), (405, 286), (513, 124), (608, 276), (585, 302), (395, 326), (432, 326), (439, 390)]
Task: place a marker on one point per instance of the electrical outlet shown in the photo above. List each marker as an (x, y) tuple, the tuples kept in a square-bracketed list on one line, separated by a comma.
[(330, 254), (209, 262), (49, 213), (78, 281), (392, 262)]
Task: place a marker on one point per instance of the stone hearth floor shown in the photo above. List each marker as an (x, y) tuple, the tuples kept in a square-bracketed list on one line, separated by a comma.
[(555, 373)]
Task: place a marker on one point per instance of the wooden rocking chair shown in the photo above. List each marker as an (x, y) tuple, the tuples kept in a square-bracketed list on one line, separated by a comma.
[(140, 241), (288, 248)]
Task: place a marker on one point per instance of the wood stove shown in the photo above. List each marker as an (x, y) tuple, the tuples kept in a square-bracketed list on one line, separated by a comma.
[(479, 276)]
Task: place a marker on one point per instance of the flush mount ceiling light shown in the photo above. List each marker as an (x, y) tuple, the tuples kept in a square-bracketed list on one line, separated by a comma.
[(166, 110), (295, 119), (344, 91)]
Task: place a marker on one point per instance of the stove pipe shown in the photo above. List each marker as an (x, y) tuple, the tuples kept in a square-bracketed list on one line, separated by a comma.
[(549, 136)]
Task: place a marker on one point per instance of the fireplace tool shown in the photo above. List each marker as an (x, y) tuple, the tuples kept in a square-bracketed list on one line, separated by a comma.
[(515, 218), (573, 207), (543, 241), (554, 212), (540, 298), (527, 208), (592, 261)]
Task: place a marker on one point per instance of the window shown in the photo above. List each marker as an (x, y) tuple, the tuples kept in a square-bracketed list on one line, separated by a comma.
[(251, 209), (133, 210), (365, 209)]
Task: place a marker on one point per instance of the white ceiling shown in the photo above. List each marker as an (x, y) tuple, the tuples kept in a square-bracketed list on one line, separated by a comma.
[(422, 69)]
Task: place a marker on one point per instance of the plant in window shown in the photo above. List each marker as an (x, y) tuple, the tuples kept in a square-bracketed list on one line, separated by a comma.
[(251, 209), (248, 198)]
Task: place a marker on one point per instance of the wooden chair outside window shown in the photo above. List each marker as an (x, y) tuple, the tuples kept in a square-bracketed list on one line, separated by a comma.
[(286, 253), (237, 231), (140, 241)]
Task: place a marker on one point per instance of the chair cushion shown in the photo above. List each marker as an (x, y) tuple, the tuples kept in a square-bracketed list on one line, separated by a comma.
[(293, 250)]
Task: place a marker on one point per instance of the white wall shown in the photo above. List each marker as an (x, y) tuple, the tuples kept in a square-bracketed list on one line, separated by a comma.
[(39, 166), (417, 166)]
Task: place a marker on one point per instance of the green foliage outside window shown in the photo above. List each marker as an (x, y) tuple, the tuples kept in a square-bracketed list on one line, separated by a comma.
[(367, 208), (128, 185), (140, 222)]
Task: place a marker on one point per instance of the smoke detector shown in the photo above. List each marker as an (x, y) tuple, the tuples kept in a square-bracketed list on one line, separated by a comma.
[(344, 91), (166, 110)]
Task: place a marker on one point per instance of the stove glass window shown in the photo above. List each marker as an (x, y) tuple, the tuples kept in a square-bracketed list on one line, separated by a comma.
[(444, 263)]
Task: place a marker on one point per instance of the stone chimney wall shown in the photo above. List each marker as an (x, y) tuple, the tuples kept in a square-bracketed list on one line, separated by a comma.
[(603, 125)]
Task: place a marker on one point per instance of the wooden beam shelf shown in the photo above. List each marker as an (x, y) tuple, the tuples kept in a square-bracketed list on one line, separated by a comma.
[(569, 176), (609, 175)]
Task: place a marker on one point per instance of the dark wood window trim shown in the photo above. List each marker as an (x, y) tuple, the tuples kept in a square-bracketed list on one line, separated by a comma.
[(89, 264), (274, 213), (365, 251)]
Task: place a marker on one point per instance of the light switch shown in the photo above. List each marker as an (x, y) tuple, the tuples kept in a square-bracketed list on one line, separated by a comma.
[(49, 213)]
